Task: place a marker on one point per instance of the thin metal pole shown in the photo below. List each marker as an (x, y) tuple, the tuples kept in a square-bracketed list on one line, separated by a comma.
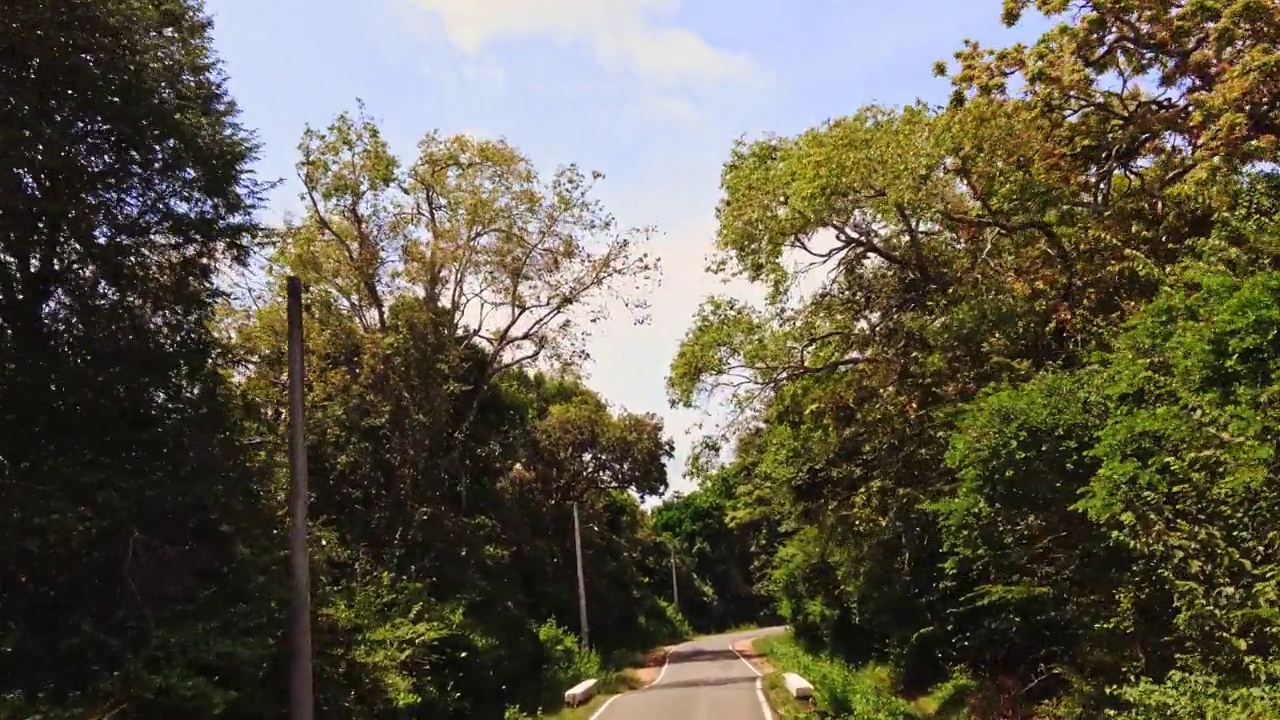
[(301, 700), (675, 586), (582, 580)]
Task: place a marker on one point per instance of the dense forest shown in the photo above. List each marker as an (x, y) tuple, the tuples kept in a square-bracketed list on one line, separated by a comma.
[(1010, 408), (1008, 412), (143, 401)]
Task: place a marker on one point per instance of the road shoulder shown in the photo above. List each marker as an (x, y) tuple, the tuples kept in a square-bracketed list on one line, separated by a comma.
[(746, 649), (781, 704), (645, 672), (650, 667)]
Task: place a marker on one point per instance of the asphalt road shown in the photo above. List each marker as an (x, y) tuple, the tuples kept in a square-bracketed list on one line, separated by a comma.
[(704, 679)]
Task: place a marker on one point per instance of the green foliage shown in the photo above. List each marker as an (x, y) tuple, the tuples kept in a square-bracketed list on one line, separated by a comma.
[(565, 664), (805, 585), (1020, 422), (1157, 458), (143, 456), (1033, 577), (1015, 423), (129, 495), (713, 559), (841, 691), (1184, 695), (379, 642), (445, 469), (1187, 475)]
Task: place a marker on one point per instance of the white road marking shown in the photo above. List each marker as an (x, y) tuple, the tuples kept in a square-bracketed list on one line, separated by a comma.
[(605, 706), (745, 661), (764, 703), (663, 671)]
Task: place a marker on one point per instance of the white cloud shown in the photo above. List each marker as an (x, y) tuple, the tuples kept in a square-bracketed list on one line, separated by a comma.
[(673, 109), (621, 34), (630, 362)]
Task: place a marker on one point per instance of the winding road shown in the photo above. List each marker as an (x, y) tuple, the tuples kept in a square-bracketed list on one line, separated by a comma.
[(703, 679)]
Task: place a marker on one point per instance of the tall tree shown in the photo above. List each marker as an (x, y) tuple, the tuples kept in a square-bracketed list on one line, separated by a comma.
[(915, 256), (124, 187), (444, 466), (513, 267)]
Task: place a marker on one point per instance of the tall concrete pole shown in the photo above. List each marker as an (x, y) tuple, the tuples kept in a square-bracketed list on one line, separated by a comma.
[(582, 580), (301, 700), (675, 586)]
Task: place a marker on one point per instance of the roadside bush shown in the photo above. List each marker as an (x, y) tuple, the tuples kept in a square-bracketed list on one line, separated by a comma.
[(1186, 695), (671, 626), (840, 690), (565, 663)]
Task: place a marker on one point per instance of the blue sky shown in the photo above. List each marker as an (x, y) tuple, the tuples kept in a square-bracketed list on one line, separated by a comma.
[(650, 92)]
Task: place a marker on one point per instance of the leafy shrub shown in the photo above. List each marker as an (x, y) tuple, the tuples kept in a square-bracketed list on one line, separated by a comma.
[(840, 690), (565, 663), (380, 643), (951, 697), (672, 625), (1187, 695)]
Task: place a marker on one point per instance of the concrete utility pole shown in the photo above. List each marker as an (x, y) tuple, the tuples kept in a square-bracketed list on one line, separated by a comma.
[(582, 580), (301, 700), (675, 586)]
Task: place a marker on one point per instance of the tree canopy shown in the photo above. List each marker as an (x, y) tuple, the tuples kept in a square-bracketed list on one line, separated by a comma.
[(448, 301), (991, 402)]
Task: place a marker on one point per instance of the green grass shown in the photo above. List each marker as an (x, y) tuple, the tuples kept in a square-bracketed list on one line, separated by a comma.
[(946, 701), (851, 693), (841, 690), (786, 707), (582, 712), (613, 682)]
